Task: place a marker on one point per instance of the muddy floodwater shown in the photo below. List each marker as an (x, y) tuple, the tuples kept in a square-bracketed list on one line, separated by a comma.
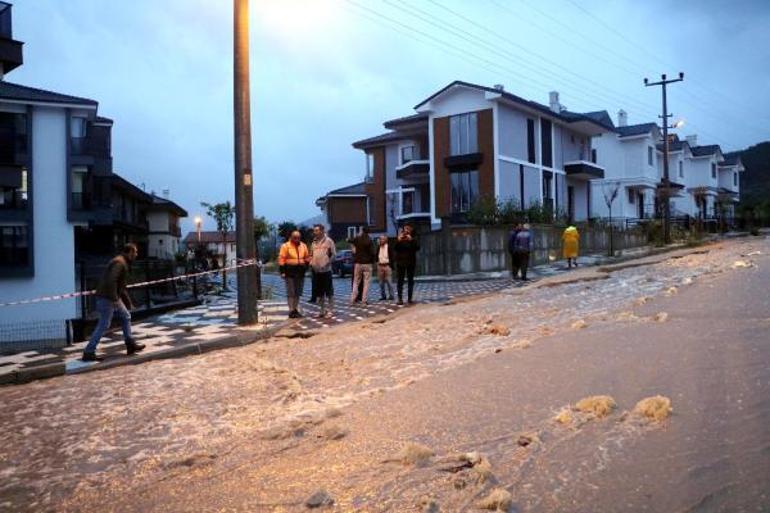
[(437, 408)]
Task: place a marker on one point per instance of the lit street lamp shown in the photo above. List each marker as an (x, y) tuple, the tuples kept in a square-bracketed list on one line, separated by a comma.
[(198, 222)]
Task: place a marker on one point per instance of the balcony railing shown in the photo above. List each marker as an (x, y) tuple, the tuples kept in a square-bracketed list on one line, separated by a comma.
[(91, 146), (16, 200)]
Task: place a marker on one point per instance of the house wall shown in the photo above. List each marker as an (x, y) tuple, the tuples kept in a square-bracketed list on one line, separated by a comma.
[(161, 243), (53, 236), (376, 191), (513, 132)]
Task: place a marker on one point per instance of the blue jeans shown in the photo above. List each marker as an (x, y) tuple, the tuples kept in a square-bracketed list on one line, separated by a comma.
[(106, 309)]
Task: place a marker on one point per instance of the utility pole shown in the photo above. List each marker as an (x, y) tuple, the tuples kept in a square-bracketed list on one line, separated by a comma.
[(244, 198), (666, 183)]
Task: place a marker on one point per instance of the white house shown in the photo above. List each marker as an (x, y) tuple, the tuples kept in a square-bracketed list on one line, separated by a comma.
[(164, 235), (223, 250)]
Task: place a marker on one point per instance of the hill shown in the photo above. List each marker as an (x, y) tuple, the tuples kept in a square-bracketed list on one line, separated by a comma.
[(755, 182)]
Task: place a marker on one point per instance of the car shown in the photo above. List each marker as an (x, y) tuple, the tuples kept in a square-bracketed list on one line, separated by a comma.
[(343, 263)]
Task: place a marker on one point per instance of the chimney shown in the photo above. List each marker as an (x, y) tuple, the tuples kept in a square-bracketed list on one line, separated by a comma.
[(166, 193), (499, 87), (553, 98), (622, 118), (692, 140)]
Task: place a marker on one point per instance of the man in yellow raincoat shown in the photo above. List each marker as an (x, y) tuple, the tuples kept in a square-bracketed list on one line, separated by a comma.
[(570, 241)]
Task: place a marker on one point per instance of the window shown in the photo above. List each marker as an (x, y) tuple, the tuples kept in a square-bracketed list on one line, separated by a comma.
[(547, 183), (713, 170), (465, 190), (369, 167), (353, 231), (14, 245), (631, 195), (407, 202), (681, 169), (408, 154), (463, 134), (649, 155), (531, 140), (593, 155), (77, 126), (735, 179), (79, 180), (546, 156)]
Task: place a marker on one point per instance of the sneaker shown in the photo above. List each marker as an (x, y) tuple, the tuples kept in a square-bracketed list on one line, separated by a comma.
[(91, 357), (132, 347), (293, 314)]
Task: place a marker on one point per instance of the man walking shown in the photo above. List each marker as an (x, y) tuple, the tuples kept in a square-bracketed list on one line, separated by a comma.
[(112, 299), (292, 260), (322, 254), (512, 252), (385, 263), (522, 246), (363, 259), (406, 260)]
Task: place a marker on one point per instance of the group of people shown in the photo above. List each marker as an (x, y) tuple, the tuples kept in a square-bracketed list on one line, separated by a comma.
[(385, 257), (520, 246)]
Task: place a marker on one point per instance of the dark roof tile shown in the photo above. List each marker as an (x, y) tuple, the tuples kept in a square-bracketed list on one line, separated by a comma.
[(9, 91)]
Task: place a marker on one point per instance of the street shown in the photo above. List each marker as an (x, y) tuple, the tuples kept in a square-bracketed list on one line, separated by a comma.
[(263, 427)]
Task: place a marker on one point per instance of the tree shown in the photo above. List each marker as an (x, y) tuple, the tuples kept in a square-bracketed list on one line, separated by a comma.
[(261, 228), (285, 228), (222, 214), (610, 191)]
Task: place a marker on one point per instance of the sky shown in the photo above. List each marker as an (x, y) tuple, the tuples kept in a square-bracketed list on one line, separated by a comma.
[(325, 73)]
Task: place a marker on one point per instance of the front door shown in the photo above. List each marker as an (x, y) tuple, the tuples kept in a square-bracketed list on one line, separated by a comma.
[(640, 204), (571, 203)]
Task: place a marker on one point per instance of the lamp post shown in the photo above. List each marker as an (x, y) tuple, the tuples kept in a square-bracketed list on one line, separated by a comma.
[(244, 197), (198, 222)]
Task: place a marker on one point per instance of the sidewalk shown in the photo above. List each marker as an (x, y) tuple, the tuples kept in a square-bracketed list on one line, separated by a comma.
[(213, 325)]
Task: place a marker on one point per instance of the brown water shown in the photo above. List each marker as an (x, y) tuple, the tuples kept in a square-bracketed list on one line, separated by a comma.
[(248, 429)]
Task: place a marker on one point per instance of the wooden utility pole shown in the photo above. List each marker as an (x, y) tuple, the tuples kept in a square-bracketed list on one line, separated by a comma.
[(244, 199)]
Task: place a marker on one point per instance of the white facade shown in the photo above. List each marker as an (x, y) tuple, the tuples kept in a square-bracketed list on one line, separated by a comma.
[(161, 243), (52, 235)]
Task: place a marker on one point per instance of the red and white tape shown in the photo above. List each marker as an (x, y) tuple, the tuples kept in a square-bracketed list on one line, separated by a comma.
[(243, 263)]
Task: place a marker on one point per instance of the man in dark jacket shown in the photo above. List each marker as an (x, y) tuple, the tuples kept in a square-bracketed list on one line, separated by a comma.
[(522, 246), (112, 299), (406, 249), (512, 252), (363, 259)]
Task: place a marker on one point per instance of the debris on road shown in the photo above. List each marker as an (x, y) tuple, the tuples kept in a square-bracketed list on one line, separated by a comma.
[(660, 317), (579, 324), (597, 405), (496, 329), (654, 408), (742, 264), (498, 499), (564, 416), (412, 454), (319, 499)]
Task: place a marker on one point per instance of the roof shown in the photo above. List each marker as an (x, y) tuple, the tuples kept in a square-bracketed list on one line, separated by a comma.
[(732, 159), (100, 119), (566, 116), (167, 204), (377, 139), (118, 182), (602, 116), (702, 151), (414, 118), (208, 237), (16, 92), (358, 189), (631, 130)]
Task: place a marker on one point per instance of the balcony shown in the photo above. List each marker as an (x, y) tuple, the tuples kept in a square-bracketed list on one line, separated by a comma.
[(92, 146), (583, 170), (413, 169)]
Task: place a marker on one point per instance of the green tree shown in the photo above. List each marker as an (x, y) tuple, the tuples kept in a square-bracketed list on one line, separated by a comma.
[(223, 214), (285, 228), (261, 228)]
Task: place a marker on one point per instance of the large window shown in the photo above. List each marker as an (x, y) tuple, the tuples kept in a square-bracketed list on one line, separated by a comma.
[(78, 126), (531, 141), (408, 153), (369, 167), (14, 245), (463, 134), (465, 190), (546, 151)]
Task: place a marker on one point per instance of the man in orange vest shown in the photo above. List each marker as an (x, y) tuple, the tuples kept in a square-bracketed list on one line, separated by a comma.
[(293, 260)]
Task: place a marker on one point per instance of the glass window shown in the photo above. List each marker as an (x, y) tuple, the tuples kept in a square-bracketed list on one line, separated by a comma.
[(14, 245), (78, 126), (408, 154), (407, 203), (463, 134), (593, 155), (681, 169), (713, 170), (546, 156), (631, 195), (465, 190), (547, 183), (735, 179), (369, 167), (649, 155)]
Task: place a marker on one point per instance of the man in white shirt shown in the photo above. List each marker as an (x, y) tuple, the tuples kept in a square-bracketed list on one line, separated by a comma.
[(385, 263)]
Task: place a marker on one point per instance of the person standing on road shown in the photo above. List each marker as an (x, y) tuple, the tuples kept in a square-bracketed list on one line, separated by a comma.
[(112, 299), (363, 259), (292, 260), (514, 255), (406, 249), (323, 252), (522, 246), (570, 245), (385, 263)]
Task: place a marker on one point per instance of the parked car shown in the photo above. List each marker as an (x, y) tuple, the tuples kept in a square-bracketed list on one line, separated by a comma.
[(343, 263)]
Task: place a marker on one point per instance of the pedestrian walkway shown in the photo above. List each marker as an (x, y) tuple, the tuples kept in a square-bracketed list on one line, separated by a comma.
[(213, 324)]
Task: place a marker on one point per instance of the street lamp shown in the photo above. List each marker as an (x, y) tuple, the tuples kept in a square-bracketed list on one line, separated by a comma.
[(198, 222), (678, 124)]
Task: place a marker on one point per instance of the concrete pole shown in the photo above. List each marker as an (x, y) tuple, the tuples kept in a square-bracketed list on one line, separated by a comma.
[(244, 199)]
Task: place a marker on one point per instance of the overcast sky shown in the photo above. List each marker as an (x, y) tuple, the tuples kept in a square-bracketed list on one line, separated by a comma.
[(328, 72)]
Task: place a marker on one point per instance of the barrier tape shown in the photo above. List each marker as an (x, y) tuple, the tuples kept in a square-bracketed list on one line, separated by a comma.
[(243, 263)]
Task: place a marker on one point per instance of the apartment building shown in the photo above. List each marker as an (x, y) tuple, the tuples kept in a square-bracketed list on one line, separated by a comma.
[(467, 142)]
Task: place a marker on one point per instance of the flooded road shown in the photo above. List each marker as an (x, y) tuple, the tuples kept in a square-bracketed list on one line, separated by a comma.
[(263, 427)]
